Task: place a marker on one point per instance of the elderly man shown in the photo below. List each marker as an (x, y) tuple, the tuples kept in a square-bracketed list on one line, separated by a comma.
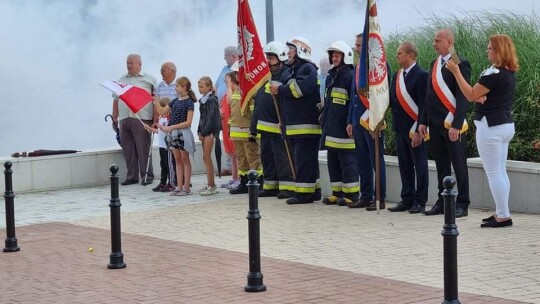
[(166, 88), (135, 139), (231, 56)]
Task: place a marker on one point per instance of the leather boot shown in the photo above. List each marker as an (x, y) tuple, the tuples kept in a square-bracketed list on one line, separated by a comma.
[(242, 187)]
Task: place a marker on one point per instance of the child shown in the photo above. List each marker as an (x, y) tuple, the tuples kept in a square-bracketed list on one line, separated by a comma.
[(208, 130), (165, 156), (245, 146), (181, 139)]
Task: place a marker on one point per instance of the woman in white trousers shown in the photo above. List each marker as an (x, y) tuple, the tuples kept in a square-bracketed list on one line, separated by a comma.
[(493, 95)]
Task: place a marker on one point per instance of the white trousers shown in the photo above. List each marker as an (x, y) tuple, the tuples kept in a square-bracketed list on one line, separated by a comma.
[(492, 143)]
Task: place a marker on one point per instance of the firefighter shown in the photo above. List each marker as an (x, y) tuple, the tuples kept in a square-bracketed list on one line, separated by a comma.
[(342, 165), (245, 143), (298, 100), (278, 177)]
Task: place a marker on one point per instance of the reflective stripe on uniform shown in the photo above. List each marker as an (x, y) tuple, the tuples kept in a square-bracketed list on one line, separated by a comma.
[(339, 143), (270, 185), (289, 186), (237, 132), (307, 187), (303, 129), (295, 89), (268, 127), (339, 96), (336, 186), (351, 187)]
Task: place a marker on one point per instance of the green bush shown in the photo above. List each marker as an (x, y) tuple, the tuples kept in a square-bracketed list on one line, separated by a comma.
[(472, 32)]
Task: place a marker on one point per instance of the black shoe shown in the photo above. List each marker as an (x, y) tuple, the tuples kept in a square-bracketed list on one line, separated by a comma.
[(147, 182), (495, 224), (297, 200), (373, 206), (360, 204), (435, 210), (160, 188), (488, 219), (417, 209), (267, 193), (129, 182), (285, 194), (460, 212), (400, 207)]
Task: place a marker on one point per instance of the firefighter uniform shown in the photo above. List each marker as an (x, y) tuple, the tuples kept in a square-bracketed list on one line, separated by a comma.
[(278, 177), (247, 152), (342, 164), (299, 99)]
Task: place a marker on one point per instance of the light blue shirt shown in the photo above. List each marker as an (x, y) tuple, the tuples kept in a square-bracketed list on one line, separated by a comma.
[(221, 86), (166, 90)]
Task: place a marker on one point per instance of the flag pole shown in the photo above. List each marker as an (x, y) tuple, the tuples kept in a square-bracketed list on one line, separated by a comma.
[(285, 139), (377, 137)]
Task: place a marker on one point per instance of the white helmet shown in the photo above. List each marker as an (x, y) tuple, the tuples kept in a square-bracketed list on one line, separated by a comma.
[(276, 48), (303, 47), (342, 47), (234, 66)]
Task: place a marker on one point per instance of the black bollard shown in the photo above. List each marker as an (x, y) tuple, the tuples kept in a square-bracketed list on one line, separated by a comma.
[(255, 276), (116, 258), (450, 234), (11, 240)]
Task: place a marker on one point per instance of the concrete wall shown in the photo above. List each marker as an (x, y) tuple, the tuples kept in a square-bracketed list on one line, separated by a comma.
[(81, 169), (90, 168), (524, 180)]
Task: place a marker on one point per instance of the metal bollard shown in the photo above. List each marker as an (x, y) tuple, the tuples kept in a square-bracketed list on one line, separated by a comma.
[(11, 240), (450, 234), (116, 258), (255, 276)]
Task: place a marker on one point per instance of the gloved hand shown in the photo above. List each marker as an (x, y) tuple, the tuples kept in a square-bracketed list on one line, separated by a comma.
[(252, 137)]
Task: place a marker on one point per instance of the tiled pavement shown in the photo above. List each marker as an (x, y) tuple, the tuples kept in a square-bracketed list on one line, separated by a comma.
[(194, 250)]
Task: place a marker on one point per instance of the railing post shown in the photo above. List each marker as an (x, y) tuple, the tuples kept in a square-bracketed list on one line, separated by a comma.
[(9, 196), (116, 258), (255, 276), (450, 234)]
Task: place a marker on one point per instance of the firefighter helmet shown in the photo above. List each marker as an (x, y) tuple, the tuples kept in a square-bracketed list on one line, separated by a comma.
[(303, 47), (276, 48), (342, 47)]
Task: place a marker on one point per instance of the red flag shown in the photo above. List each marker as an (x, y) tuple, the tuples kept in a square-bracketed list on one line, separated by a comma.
[(253, 70), (135, 98)]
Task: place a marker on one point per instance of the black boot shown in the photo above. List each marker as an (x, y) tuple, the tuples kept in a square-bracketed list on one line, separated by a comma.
[(242, 187), (260, 179)]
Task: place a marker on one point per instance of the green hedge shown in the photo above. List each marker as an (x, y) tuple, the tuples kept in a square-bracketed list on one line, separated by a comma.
[(472, 32)]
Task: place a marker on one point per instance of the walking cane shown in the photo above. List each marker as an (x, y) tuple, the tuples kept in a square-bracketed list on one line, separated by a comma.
[(291, 164)]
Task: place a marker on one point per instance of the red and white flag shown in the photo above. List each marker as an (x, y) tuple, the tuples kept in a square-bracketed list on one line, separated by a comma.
[(135, 98), (253, 69)]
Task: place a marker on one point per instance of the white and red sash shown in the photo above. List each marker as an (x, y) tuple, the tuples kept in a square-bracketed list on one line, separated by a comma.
[(445, 95), (406, 101)]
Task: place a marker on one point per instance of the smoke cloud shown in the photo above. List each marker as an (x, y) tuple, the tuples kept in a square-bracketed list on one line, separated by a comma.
[(56, 52)]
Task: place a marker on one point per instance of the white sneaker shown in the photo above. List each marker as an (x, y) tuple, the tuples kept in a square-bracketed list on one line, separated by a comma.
[(234, 184), (205, 188), (209, 191)]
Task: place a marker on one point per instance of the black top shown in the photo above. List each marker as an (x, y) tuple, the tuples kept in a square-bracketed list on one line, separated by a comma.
[(434, 112), (502, 85)]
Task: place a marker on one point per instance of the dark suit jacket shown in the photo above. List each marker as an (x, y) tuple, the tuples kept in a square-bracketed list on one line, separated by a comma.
[(416, 83), (434, 111)]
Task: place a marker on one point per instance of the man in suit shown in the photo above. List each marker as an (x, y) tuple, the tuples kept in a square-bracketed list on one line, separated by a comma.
[(444, 113), (407, 96)]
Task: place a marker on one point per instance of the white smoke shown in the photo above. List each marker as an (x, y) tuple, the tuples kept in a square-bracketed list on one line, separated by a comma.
[(55, 52)]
